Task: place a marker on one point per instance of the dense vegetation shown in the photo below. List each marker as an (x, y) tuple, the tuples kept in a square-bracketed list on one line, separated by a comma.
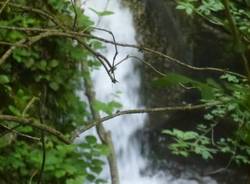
[(40, 77), (230, 92), (46, 54)]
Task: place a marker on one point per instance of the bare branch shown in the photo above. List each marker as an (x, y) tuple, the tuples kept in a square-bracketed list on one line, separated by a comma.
[(189, 107), (115, 44), (149, 65), (102, 59), (76, 35)]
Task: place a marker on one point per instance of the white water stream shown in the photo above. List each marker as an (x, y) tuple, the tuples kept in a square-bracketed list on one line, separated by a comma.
[(130, 160)]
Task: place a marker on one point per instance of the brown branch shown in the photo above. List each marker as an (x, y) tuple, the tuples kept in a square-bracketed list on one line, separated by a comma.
[(33, 29), (114, 40), (28, 106), (76, 15), (4, 5), (76, 35), (47, 33), (189, 107), (20, 134), (149, 65), (37, 11), (9, 51), (12, 44), (29, 41), (236, 35), (169, 58), (35, 123), (223, 168), (104, 135), (102, 59)]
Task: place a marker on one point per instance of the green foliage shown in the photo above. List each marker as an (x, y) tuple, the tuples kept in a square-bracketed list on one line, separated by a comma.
[(214, 11), (48, 68), (230, 93), (232, 104), (172, 79), (102, 13), (108, 107), (187, 142)]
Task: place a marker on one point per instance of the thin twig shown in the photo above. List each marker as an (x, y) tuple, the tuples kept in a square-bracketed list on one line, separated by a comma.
[(9, 51), (114, 40), (35, 123), (149, 65), (102, 59), (169, 58), (223, 168), (12, 44), (33, 29), (21, 134), (28, 106), (32, 176), (11, 129), (120, 62), (76, 15), (76, 35), (37, 11), (4, 5), (236, 35), (41, 117)]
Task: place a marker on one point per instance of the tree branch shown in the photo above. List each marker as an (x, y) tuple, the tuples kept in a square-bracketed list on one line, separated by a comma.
[(35, 10), (35, 123), (20, 134), (77, 35), (4, 5), (97, 122), (105, 136), (236, 35)]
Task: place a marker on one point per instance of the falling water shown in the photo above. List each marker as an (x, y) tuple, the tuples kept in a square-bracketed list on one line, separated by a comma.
[(130, 160)]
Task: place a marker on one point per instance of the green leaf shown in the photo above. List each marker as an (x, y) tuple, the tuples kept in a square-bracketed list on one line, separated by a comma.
[(189, 11), (102, 149), (206, 155), (76, 180), (53, 63), (91, 139), (102, 13), (60, 173), (54, 86), (171, 79), (108, 107), (14, 110), (4, 79), (42, 65)]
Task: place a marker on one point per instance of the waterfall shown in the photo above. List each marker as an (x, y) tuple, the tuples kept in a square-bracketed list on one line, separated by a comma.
[(130, 160)]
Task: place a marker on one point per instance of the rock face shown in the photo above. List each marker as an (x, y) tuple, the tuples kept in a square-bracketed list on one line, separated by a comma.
[(161, 27)]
